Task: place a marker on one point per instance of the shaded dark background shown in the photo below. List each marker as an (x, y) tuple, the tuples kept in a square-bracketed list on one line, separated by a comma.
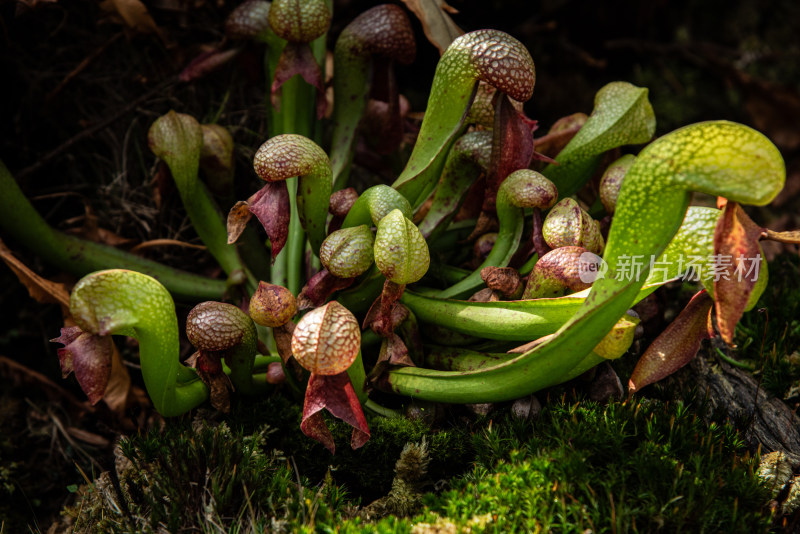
[(80, 91)]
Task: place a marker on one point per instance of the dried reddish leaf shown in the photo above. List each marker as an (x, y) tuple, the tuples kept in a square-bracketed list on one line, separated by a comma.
[(163, 185), (735, 247), (339, 206), (297, 58), (40, 289), (271, 206), (384, 117), (209, 369), (400, 316), (439, 28), (334, 393), (382, 316), (89, 356), (677, 345), (109, 238), (206, 62), (393, 353), (561, 133), (512, 146), (68, 335), (319, 289), (396, 352), (539, 244)]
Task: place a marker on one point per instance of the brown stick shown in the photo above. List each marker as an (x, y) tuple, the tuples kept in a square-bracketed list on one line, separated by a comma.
[(792, 237)]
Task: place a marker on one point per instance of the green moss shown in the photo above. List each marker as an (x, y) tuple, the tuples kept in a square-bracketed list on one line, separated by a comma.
[(256, 471), (184, 478), (768, 336), (642, 466), (624, 467)]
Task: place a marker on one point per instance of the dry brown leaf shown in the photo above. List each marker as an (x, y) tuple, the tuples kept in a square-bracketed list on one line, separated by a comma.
[(107, 237), (119, 385), (237, 221), (40, 289), (132, 13), (439, 28), (92, 232)]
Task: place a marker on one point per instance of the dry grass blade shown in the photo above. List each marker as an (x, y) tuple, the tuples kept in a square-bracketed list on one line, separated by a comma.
[(15, 373), (439, 28), (165, 242)]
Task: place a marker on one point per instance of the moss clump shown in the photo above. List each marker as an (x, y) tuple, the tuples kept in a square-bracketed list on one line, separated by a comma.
[(768, 337), (410, 475), (9, 473), (638, 467), (642, 466), (367, 472), (254, 472), (185, 478)]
